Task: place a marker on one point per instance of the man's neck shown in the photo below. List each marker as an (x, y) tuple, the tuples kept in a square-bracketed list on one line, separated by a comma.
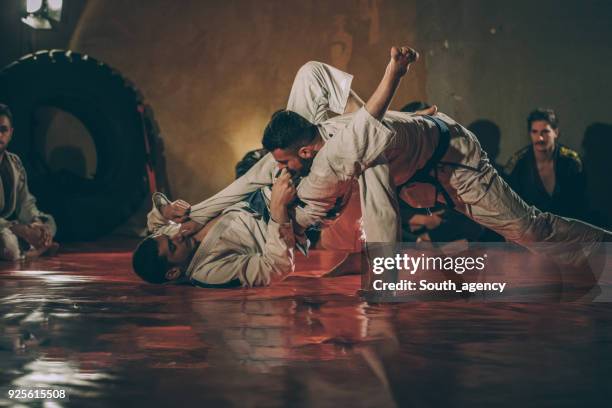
[(544, 156)]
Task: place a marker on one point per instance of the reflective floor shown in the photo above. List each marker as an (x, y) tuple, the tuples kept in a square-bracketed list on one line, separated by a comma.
[(83, 323)]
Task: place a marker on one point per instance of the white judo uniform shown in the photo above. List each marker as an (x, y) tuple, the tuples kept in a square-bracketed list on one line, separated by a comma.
[(240, 248), (384, 154), (18, 208)]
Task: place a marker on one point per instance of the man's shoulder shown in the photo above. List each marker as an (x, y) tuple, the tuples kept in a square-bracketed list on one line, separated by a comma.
[(332, 126), (14, 158), (518, 157), (571, 156)]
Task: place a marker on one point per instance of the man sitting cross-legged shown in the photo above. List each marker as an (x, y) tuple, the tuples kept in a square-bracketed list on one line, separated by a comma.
[(25, 231)]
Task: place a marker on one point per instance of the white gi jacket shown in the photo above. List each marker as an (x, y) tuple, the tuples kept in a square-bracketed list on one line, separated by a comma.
[(240, 246), (357, 152), (22, 207)]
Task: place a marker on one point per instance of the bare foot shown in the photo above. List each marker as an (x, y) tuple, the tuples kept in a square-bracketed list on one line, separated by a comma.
[(401, 58)]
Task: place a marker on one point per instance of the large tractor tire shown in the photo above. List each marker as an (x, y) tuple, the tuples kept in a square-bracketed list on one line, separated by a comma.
[(111, 110)]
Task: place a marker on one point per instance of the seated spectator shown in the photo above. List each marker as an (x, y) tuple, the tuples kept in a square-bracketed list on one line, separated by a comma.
[(25, 231), (547, 174)]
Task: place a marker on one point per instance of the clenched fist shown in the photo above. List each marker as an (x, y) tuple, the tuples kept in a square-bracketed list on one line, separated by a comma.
[(401, 58), (283, 193), (177, 211)]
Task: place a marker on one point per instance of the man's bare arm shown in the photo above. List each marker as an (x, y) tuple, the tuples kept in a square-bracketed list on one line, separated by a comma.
[(398, 65)]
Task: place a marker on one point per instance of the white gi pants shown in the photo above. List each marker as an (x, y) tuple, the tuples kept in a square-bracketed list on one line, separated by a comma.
[(482, 194), (474, 185)]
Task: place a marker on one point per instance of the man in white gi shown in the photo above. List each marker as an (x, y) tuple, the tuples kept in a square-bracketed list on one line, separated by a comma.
[(318, 90), (384, 150), (245, 245), (25, 231)]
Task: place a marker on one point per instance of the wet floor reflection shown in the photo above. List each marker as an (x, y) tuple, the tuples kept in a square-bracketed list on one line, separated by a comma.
[(81, 322)]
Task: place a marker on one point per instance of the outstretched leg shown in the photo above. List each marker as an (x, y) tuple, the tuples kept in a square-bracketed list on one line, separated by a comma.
[(318, 89), (485, 197)]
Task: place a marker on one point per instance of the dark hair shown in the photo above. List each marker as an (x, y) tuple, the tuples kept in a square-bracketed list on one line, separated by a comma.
[(415, 106), (288, 129), (148, 264), (5, 111), (249, 160), (547, 115)]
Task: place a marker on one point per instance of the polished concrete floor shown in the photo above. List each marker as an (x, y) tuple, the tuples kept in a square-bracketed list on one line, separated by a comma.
[(82, 322)]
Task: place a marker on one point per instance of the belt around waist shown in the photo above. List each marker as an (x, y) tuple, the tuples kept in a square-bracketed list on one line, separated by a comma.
[(423, 174)]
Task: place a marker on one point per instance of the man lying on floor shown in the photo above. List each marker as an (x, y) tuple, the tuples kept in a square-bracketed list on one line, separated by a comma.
[(244, 249), (250, 244), (25, 231)]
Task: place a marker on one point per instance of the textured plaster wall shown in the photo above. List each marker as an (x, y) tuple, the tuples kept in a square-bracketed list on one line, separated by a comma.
[(214, 72), (499, 60)]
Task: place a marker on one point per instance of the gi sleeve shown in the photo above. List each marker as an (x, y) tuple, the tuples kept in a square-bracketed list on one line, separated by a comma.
[(344, 157), (362, 142), (156, 222), (155, 219), (231, 258), (260, 175)]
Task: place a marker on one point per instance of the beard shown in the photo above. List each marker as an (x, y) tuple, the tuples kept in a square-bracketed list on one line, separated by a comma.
[(306, 165), (296, 175), (541, 145)]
